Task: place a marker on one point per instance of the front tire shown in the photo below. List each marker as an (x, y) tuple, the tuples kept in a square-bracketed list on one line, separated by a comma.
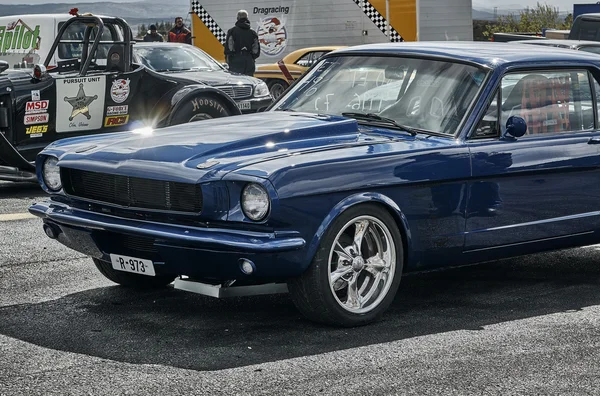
[(134, 281), (356, 271), (200, 108)]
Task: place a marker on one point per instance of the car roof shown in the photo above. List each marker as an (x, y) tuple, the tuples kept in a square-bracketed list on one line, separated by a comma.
[(483, 53), (572, 43)]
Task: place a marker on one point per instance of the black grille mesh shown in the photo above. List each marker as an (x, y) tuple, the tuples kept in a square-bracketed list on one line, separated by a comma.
[(133, 191)]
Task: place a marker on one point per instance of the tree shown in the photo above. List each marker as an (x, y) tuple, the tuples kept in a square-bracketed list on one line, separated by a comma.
[(142, 30), (530, 20)]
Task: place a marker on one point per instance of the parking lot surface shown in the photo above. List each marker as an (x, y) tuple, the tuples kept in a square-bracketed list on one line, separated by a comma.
[(528, 325)]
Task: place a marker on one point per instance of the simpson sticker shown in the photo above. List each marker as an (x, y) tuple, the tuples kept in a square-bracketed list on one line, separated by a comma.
[(36, 130), (36, 119), (119, 91), (80, 103), (17, 36), (35, 95), (116, 120), (117, 110), (39, 106)]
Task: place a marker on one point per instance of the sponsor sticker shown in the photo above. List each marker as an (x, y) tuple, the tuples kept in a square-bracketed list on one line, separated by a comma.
[(119, 91), (39, 106), (36, 130), (80, 103), (116, 120), (32, 119), (35, 95), (117, 110)]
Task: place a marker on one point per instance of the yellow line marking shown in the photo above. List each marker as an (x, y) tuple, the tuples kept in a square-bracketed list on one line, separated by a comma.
[(15, 216)]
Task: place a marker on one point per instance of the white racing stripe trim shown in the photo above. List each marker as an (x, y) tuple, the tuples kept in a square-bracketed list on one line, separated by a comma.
[(15, 216)]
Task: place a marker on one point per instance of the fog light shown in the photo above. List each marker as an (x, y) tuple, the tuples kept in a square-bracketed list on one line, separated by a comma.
[(247, 266), (50, 231)]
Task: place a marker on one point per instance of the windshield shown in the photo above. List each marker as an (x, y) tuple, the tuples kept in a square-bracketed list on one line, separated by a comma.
[(421, 94), (168, 58)]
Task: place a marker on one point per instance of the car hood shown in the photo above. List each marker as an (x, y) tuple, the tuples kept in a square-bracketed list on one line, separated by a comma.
[(210, 148), (215, 78)]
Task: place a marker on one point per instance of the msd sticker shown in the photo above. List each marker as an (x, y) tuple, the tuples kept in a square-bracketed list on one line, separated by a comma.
[(32, 119), (117, 110), (116, 120), (39, 106)]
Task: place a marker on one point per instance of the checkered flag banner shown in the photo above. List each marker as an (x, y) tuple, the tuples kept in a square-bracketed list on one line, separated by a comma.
[(378, 19), (210, 23)]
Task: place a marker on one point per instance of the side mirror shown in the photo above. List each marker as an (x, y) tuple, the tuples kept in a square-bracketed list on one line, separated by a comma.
[(516, 126), (225, 65), (3, 66)]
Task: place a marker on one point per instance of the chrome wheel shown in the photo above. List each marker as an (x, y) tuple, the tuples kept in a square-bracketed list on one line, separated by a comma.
[(362, 263), (199, 117)]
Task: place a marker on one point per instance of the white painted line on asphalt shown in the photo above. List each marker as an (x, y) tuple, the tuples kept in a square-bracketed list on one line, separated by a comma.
[(15, 216)]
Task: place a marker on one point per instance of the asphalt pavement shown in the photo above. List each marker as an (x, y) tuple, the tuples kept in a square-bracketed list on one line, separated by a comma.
[(529, 325)]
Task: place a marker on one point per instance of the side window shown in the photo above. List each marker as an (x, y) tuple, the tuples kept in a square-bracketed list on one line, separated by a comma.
[(488, 126), (597, 90), (548, 101), (593, 49), (310, 58)]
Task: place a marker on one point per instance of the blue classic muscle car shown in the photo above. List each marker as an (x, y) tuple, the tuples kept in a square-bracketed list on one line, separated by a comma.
[(381, 159)]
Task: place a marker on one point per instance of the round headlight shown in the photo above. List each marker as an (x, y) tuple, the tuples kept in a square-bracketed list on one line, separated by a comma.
[(255, 202), (261, 89), (51, 174)]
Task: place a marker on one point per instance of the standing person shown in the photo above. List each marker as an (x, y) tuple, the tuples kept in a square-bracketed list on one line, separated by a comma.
[(242, 46), (179, 33), (153, 35)]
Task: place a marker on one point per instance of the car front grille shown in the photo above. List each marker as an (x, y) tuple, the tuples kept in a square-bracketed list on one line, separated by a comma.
[(132, 191), (237, 91)]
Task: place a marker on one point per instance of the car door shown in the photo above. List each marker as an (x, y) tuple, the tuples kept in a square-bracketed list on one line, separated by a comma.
[(543, 186)]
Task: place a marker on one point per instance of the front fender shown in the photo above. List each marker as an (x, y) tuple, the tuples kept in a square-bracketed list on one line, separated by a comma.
[(190, 91), (358, 199)]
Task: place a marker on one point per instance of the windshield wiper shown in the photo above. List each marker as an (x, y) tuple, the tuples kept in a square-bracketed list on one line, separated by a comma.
[(378, 118)]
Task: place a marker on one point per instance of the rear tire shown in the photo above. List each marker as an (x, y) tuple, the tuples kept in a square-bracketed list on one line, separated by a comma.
[(356, 286), (132, 280), (200, 108), (277, 87)]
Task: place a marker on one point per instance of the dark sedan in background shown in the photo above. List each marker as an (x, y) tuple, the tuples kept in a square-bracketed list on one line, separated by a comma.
[(250, 94)]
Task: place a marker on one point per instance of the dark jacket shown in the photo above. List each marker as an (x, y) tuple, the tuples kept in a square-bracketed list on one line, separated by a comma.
[(182, 35), (149, 37), (242, 40)]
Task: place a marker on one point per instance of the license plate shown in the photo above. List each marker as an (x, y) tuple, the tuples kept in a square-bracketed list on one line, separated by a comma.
[(245, 105), (132, 264)]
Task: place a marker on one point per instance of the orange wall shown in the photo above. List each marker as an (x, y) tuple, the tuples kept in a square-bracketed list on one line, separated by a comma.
[(403, 16), (203, 38)]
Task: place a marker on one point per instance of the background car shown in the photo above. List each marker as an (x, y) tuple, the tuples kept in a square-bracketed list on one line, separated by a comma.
[(588, 46), (250, 94), (95, 87), (295, 63), (383, 159)]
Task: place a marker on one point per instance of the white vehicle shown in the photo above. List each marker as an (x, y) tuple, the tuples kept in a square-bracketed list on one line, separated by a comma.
[(284, 26), (25, 40)]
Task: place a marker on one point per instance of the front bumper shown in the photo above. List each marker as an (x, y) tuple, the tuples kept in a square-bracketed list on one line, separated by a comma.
[(207, 253), (256, 104)]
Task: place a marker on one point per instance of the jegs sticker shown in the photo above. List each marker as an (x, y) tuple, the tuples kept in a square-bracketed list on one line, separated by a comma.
[(32, 119), (36, 130), (117, 110), (80, 103), (119, 91)]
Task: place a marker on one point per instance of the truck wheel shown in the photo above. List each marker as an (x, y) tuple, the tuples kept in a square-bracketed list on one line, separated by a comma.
[(200, 108), (356, 271), (277, 87), (133, 280)]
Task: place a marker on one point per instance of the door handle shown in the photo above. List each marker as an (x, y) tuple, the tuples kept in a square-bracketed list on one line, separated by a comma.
[(594, 140)]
